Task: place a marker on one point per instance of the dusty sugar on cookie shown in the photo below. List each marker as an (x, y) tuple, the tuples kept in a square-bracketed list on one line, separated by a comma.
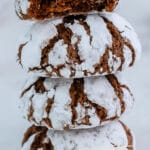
[(79, 46), (76, 96), (64, 104), (44, 9), (114, 136)]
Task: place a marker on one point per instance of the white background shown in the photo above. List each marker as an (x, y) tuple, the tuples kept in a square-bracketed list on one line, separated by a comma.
[(12, 125)]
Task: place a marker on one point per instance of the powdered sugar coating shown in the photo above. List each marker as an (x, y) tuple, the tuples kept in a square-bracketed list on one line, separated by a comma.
[(114, 136), (126, 33), (75, 103), (89, 45)]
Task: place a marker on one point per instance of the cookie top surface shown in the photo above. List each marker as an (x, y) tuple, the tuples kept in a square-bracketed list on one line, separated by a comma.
[(64, 104), (43, 9), (79, 46), (115, 136)]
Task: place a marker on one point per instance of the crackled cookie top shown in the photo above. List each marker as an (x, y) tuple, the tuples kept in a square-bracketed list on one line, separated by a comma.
[(75, 103), (43, 9), (79, 46), (115, 136)]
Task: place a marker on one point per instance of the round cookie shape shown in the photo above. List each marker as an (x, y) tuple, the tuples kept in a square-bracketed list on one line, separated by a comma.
[(79, 46), (44, 9), (115, 136), (63, 104)]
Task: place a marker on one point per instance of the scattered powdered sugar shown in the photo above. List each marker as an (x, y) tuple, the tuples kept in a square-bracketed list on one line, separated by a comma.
[(114, 62), (120, 139), (57, 57), (100, 95), (127, 55), (101, 36), (39, 37), (66, 72), (39, 107)]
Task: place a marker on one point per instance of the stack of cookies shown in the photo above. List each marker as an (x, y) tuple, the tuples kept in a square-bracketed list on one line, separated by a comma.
[(75, 94)]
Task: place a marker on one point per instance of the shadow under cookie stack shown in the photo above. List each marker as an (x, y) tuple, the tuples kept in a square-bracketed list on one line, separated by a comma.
[(76, 95)]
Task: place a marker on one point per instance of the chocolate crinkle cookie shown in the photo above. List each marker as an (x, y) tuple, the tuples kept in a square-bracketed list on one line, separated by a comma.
[(43, 9), (79, 46), (115, 136), (64, 104)]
